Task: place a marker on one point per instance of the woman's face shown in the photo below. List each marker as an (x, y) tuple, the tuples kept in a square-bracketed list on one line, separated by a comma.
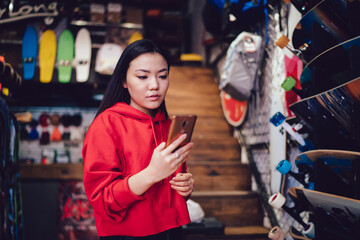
[(147, 81)]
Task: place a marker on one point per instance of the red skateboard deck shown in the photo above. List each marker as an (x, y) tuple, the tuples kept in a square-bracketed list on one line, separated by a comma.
[(234, 110)]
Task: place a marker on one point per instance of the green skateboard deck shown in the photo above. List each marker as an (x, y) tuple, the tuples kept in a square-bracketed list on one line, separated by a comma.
[(65, 56)]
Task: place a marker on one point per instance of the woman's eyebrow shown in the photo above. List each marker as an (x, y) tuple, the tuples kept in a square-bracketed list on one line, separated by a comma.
[(147, 71)]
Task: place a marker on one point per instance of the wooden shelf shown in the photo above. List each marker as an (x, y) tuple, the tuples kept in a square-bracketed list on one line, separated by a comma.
[(51, 171), (82, 23)]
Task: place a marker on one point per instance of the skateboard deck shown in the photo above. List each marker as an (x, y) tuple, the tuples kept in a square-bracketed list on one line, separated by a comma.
[(65, 56), (47, 56), (29, 52), (234, 110), (83, 55), (326, 21), (345, 212), (335, 172), (293, 66), (277, 146), (333, 110), (332, 66)]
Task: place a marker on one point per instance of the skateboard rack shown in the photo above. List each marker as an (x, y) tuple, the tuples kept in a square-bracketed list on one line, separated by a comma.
[(333, 119)]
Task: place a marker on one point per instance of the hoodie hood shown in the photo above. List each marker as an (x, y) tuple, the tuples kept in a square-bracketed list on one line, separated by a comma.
[(131, 112), (127, 110)]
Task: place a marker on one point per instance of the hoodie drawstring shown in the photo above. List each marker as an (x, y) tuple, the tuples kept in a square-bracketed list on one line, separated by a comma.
[(153, 131), (154, 134), (156, 143)]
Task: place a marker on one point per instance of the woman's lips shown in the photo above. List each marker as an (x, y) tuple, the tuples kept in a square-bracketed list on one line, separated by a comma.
[(154, 97)]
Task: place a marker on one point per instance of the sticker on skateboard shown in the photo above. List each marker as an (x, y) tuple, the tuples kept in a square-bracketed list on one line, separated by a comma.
[(83, 55), (47, 56), (29, 52), (65, 56)]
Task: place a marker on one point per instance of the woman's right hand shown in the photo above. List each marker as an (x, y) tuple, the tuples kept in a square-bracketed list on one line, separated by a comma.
[(165, 161)]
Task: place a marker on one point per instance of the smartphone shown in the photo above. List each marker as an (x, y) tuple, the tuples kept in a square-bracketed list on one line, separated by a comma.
[(181, 124)]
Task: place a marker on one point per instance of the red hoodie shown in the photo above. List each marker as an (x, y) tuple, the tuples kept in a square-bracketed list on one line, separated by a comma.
[(118, 144)]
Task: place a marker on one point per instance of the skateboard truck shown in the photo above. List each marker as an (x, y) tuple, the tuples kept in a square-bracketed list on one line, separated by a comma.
[(283, 42), (279, 119), (277, 201), (284, 167)]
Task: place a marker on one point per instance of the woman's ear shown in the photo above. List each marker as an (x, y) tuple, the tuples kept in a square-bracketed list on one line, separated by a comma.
[(124, 85)]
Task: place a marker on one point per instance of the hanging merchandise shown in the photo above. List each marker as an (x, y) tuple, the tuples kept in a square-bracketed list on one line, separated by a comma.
[(55, 122), (231, 17), (34, 134), (65, 56), (11, 214), (66, 122), (29, 52), (241, 68), (44, 121), (83, 55), (47, 55), (107, 58), (76, 134)]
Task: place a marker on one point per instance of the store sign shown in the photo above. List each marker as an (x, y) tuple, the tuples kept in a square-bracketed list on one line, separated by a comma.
[(28, 11)]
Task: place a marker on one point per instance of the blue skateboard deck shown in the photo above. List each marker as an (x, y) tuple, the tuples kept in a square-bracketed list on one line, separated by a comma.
[(29, 52)]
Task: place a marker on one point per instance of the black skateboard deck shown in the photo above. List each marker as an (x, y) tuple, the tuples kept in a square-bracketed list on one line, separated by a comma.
[(322, 27), (333, 114), (337, 217), (332, 67)]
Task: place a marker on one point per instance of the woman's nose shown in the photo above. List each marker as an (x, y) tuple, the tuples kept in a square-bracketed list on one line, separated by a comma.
[(154, 83)]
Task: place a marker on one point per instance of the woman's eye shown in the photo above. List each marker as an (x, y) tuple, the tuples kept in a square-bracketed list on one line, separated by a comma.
[(142, 77), (164, 77)]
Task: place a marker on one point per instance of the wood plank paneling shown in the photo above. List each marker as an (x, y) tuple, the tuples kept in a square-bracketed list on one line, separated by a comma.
[(233, 208), (51, 171), (220, 175)]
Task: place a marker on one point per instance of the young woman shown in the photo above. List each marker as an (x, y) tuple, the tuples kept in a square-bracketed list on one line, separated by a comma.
[(137, 187)]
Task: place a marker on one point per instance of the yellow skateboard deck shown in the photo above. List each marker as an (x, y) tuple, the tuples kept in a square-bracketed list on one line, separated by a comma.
[(47, 55)]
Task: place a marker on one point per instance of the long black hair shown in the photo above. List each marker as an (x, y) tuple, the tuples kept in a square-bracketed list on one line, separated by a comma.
[(115, 91)]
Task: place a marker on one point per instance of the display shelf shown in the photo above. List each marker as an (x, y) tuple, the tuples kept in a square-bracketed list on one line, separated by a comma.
[(82, 23), (51, 171)]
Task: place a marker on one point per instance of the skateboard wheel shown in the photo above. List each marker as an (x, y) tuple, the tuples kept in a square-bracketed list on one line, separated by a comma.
[(277, 200), (276, 234), (288, 83), (277, 119), (282, 41), (284, 167), (309, 231)]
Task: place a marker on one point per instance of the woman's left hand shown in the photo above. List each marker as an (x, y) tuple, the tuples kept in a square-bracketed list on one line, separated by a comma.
[(183, 183)]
